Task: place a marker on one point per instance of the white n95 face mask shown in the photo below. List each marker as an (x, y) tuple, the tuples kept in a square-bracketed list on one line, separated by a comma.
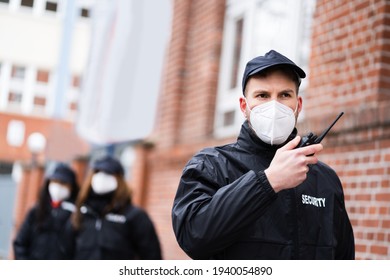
[(103, 183), (58, 192), (272, 121)]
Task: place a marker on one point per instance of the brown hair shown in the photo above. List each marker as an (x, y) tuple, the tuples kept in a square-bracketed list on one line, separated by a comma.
[(120, 199)]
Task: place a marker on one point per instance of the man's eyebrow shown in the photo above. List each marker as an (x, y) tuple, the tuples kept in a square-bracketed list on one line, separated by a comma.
[(287, 90), (261, 91)]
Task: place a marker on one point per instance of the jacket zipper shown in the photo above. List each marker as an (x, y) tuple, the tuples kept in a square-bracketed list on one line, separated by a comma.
[(98, 223), (294, 214)]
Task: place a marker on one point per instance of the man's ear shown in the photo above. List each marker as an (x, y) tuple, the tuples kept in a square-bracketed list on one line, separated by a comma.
[(243, 106), (300, 104)]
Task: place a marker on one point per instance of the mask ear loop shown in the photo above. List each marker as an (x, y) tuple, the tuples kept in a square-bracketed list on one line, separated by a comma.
[(295, 113), (247, 106), (296, 107)]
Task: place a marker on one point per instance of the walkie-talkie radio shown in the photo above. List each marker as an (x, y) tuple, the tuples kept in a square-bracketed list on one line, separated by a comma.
[(311, 138)]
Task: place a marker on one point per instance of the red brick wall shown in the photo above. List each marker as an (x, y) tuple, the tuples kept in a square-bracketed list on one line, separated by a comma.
[(349, 71), (187, 104)]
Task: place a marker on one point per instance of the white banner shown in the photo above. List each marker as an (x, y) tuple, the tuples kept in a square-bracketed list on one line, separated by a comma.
[(120, 88)]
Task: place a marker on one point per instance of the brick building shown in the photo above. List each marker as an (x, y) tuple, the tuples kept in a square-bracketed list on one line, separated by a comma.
[(346, 55), (349, 71)]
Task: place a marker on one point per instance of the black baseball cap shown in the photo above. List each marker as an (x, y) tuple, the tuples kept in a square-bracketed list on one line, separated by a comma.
[(63, 173), (270, 59), (108, 164)]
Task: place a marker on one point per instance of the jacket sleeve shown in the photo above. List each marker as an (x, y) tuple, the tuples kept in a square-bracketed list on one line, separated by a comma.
[(345, 249), (144, 236), (343, 232), (209, 213), (22, 242)]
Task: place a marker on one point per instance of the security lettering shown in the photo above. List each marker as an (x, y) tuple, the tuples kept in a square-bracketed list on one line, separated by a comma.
[(121, 219), (315, 201)]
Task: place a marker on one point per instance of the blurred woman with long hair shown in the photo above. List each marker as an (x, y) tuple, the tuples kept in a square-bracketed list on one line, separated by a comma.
[(106, 225), (41, 235)]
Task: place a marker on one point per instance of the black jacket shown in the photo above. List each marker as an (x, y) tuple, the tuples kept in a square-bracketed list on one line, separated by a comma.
[(117, 235), (45, 242), (225, 208)]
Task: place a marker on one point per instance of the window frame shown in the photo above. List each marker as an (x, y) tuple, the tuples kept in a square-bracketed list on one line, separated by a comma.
[(249, 10)]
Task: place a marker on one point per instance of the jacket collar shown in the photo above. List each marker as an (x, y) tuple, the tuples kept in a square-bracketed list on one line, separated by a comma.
[(249, 141)]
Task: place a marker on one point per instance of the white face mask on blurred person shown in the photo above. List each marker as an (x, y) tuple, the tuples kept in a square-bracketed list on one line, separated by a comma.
[(272, 121), (58, 192), (103, 183)]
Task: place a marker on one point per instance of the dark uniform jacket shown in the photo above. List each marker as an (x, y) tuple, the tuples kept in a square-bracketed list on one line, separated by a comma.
[(45, 242), (225, 208), (125, 235)]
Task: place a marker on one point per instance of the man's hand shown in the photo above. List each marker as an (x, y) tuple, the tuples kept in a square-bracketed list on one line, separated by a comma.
[(289, 166)]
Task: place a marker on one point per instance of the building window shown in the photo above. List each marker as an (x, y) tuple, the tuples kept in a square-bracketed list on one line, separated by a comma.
[(39, 101), (73, 106), (236, 52), (51, 6), (42, 76), (76, 81), (84, 13), (41, 90), (228, 118), (15, 133), (18, 72), (73, 95), (252, 28), (16, 88), (15, 97), (27, 3)]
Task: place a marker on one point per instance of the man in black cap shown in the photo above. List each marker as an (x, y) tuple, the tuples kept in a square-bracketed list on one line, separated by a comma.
[(261, 197)]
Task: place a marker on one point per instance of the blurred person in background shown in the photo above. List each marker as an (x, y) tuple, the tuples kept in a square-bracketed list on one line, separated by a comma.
[(106, 225), (41, 234)]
